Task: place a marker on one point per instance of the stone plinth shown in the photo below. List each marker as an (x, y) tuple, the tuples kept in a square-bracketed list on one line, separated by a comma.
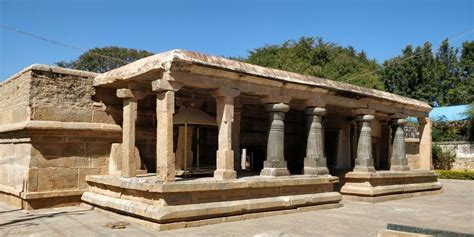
[(389, 185), (186, 203)]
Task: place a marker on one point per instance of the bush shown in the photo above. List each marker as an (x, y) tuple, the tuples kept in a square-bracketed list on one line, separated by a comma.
[(456, 174), (442, 160)]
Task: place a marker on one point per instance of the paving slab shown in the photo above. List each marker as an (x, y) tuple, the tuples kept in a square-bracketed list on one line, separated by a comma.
[(452, 210)]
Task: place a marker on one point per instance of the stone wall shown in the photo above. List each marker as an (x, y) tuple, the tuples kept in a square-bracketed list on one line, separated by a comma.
[(55, 128), (464, 154), (14, 98)]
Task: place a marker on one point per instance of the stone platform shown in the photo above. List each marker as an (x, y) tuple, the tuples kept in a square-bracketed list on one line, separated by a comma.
[(203, 201), (383, 186)]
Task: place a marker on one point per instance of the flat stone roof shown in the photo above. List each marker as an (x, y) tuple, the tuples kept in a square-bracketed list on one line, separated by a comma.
[(54, 69), (166, 61)]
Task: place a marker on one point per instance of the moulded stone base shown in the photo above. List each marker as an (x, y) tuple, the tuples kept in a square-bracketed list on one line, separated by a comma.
[(188, 203), (315, 171), (388, 185), (390, 197), (225, 174), (274, 172), (38, 203)]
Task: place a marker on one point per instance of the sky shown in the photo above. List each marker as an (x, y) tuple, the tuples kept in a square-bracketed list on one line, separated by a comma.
[(223, 28)]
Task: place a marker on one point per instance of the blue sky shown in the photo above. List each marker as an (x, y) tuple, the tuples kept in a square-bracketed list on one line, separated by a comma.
[(226, 28)]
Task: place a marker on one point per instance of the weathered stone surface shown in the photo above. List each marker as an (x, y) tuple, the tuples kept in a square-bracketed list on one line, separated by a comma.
[(275, 164), (364, 161), (315, 160)]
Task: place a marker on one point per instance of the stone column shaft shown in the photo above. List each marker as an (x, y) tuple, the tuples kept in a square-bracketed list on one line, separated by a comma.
[(165, 89), (315, 160), (129, 168), (398, 160), (130, 103), (275, 164), (364, 161), (225, 118), (165, 159), (426, 161)]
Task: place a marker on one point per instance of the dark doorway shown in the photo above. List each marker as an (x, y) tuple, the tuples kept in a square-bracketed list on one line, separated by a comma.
[(331, 139)]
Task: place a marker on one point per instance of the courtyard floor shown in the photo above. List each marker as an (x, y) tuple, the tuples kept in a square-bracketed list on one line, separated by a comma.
[(451, 211)]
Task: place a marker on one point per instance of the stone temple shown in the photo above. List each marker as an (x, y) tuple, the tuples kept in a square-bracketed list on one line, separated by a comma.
[(184, 139)]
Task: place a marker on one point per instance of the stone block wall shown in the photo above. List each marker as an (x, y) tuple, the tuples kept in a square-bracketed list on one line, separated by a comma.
[(55, 128), (14, 98)]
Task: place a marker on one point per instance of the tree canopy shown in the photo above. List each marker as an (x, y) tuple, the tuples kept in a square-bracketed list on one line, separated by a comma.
[(313, 56), (105, 59), (441, 79)]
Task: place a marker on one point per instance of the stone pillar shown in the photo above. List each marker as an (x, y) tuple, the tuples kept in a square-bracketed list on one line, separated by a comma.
[(315, 160), (130, 102), (364, 161), (236, 135), (426, 162), (165, 107), (225, 118), (398, 159), (275, 164)]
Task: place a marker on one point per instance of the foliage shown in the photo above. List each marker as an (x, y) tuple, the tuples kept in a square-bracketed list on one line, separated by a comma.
[(104, 59), (443, 159), (455, 174), (443, 78), (315, 57), (469, 128), (444, 131)]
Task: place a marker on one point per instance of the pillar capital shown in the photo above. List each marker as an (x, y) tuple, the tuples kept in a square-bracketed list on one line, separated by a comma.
[(275, 99), (225, 92), (278, 107), (166, 83), (125, 93), (423, 120), (398, 121), (315, 111), (364, 118)]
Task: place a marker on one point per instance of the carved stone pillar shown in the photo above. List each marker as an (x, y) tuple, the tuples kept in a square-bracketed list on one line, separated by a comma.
[(426, 162), (315, 160), (398, 160), (130, 103), (225, 118), (165, 103), (275, 164), (364, 161)]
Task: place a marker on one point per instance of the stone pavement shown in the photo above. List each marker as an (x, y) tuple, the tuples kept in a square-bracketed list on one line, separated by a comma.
[(451, 211)]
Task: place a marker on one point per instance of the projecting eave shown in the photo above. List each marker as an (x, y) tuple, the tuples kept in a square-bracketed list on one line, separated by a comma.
[(151, 68)]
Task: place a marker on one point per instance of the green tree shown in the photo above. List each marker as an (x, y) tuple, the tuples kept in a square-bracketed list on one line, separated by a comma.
[(313, 56), (441, 79), (104, 59)]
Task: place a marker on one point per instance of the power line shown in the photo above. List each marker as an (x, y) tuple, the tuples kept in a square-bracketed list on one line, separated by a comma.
[(16, 30), (455, 38)]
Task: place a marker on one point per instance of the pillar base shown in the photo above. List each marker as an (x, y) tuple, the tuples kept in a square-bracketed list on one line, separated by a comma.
[(370, 169), (399, 168), (274, 172), (225, 174), (315, 171)]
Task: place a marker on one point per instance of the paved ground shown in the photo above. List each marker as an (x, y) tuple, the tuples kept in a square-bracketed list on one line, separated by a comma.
[(452, 211)]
